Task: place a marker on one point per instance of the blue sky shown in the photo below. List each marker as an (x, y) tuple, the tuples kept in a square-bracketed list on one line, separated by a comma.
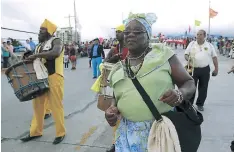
[(98, 17)]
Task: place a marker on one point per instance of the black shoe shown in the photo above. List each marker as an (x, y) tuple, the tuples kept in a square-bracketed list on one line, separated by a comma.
[(47, 116), (94, 77), (200, 108), (28, 138), (232, 146), (112, 149), (58, 140)]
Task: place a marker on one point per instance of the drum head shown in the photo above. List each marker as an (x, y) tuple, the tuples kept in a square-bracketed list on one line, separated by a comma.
[(18, 64)]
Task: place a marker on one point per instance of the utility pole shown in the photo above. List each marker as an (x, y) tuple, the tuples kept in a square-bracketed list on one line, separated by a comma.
[(209, 21), (122, 18), (75, 21), (70, 28), (69, 19)]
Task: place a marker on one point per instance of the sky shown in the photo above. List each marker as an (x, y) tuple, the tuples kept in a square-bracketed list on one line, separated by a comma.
[(98, 17)]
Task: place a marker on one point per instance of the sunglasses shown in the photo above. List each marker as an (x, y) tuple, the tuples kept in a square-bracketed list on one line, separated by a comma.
[(126, 33)]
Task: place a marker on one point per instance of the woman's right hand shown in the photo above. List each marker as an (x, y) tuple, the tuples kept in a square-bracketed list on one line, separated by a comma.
[(111, 115)]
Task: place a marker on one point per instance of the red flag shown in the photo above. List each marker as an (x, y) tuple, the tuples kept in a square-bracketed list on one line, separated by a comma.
[(212, 13), (189, 29)]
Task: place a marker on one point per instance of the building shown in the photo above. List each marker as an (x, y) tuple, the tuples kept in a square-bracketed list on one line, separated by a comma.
[(67, 35)]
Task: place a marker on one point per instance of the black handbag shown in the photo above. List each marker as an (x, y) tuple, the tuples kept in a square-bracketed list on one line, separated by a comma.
[(186, 119)]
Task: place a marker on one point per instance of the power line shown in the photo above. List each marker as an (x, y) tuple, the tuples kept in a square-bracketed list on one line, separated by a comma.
[(6, 38), (18, 30)]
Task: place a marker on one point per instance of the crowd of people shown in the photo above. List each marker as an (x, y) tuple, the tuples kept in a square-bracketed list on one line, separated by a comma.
[(137, 64), (225, 46), (85, 49), (9, 56)]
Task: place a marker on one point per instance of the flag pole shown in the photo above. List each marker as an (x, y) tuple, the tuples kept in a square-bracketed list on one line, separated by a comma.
[(209, 21), (122, 17), (194, 28)]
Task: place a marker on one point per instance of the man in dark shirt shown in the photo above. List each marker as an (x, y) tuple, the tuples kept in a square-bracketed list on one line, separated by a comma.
[(96, 56), (116, 54)]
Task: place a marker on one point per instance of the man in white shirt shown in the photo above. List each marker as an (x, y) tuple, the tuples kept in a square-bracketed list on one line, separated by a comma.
[(27, 45), (201, 52)]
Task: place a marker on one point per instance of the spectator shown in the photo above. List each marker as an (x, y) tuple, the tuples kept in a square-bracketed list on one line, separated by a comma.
[(27, 45), (96, 56), (10, 47), (5, 54), (32, 44), (72, 53)]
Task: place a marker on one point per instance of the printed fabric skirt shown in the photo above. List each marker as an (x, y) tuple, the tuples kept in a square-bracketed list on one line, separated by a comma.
[(132, 136)]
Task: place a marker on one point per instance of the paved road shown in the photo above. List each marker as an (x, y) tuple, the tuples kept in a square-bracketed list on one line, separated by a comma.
[(87, 131)]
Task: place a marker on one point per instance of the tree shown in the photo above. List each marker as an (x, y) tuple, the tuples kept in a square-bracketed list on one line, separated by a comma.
[(14, 42)]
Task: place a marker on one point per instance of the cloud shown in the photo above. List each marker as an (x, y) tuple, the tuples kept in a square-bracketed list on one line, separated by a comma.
[(98, 17)]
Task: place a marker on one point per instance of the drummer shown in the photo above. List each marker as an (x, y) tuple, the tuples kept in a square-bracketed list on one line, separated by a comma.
[(116, 54), (50, 49)]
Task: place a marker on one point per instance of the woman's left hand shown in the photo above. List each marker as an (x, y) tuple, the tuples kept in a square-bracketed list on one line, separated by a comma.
[(170, 97)]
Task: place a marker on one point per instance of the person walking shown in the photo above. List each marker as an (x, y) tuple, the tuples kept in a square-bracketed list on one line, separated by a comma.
[(201, 52), (96, 55), (157, 69)]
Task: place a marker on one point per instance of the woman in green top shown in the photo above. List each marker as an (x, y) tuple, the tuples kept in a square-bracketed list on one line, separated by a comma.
[(158, 70)]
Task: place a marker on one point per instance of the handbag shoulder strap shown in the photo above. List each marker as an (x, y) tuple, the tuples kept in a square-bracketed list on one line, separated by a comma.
[(147, 99), (144, 94)]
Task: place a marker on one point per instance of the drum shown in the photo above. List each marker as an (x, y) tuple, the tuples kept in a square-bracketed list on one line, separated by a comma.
[(107, 67), (104, 101), (24, 82)]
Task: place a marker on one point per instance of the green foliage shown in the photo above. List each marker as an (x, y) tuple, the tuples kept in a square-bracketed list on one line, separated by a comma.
[(14, 42)]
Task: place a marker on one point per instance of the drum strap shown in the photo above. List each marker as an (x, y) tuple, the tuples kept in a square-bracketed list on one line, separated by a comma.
[(37, 50)]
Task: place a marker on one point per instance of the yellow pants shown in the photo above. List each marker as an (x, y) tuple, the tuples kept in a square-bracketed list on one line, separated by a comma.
[(48, 111), (54, 98), (115, 128)]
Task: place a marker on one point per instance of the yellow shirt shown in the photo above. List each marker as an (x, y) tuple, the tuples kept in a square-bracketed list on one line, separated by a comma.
[(154, 76)]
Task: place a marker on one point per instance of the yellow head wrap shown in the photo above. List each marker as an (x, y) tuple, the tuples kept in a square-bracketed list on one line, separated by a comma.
[(120, 28), (51, 28)]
